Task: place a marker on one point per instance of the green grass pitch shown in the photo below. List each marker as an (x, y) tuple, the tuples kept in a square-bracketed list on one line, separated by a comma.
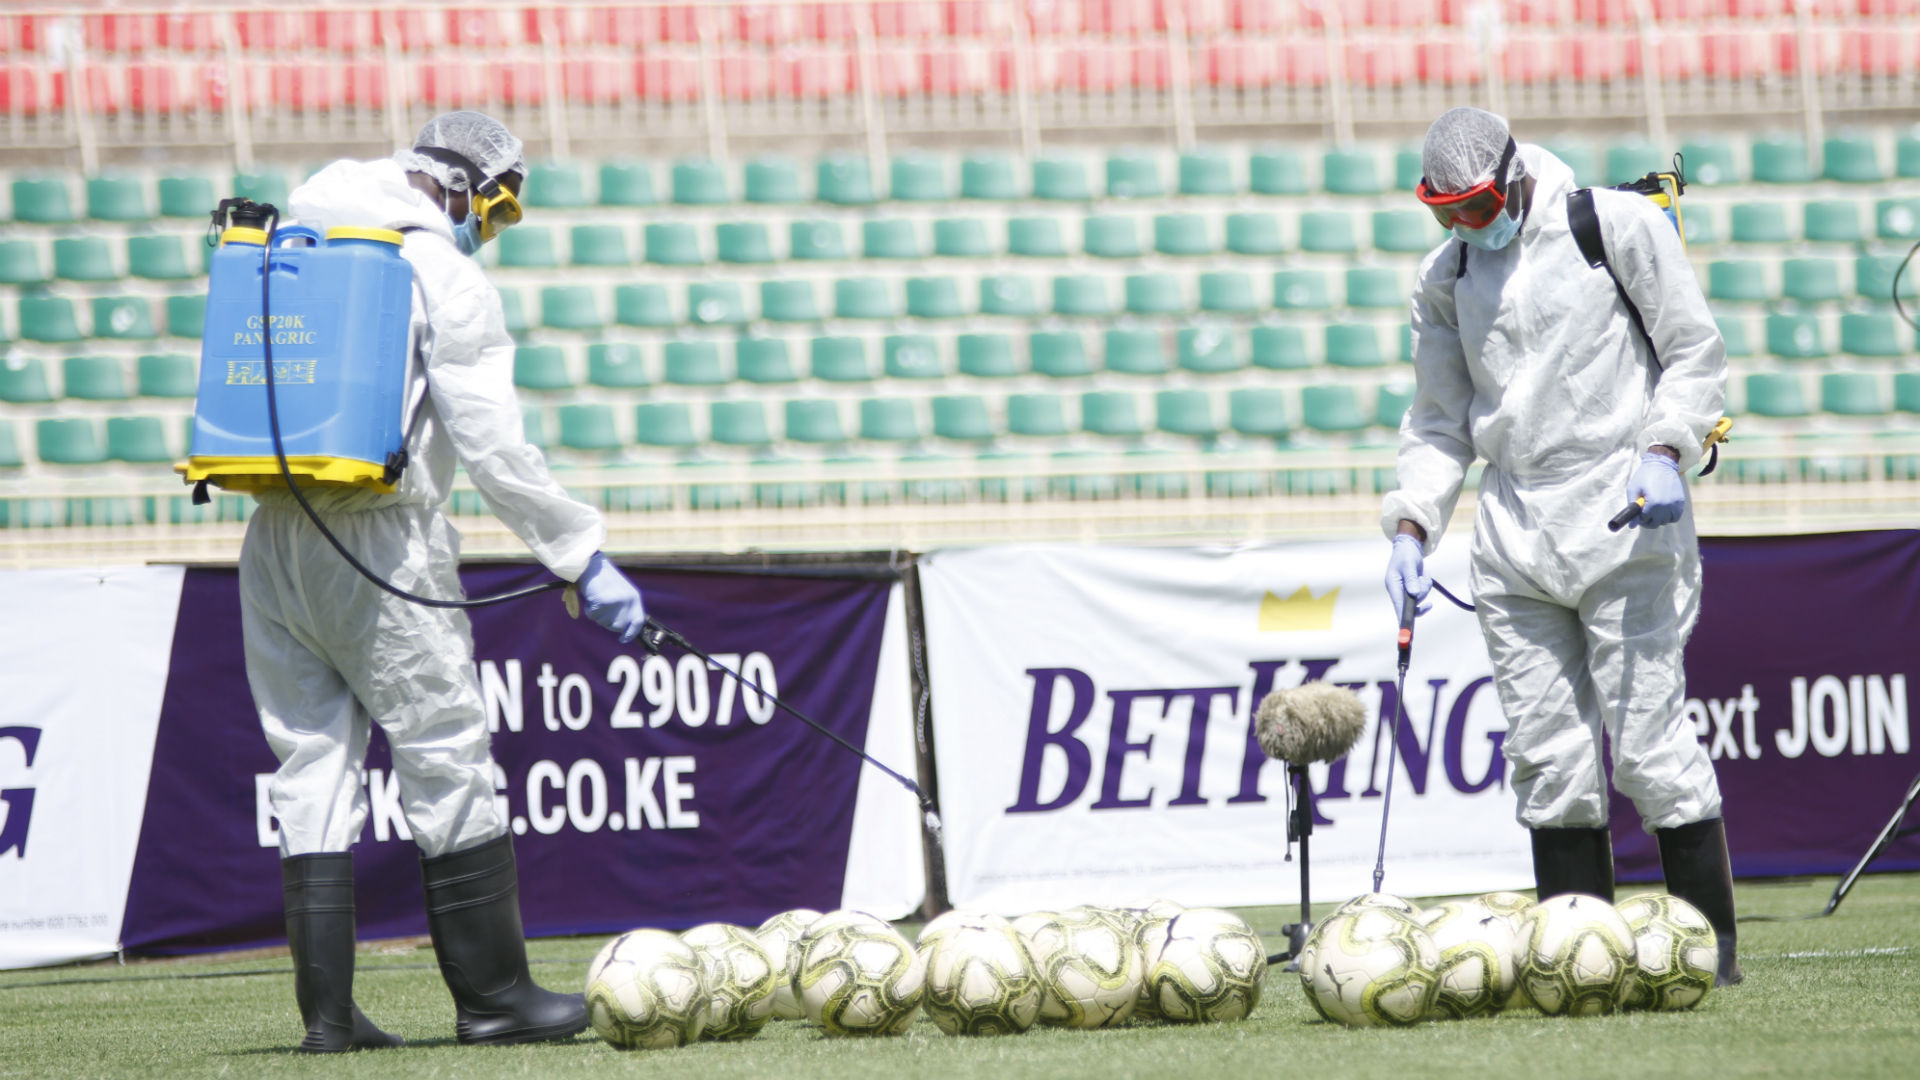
[(1837, 997)]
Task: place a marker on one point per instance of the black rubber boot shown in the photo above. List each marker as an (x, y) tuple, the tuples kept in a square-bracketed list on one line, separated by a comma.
[(319, 899), (1573, 861), (473, 912), (1694, 860)]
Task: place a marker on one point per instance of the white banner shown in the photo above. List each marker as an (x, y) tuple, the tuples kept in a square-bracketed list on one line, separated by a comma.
[(1092, 726), (83, 660)]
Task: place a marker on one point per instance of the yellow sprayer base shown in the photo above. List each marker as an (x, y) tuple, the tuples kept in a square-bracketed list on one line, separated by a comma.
[(250, 474)]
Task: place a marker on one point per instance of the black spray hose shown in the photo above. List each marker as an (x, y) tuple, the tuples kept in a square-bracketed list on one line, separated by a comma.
[(1897, 305)]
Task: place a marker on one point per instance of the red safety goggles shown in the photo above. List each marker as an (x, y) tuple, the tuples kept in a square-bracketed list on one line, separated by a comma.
[(1474, 208)]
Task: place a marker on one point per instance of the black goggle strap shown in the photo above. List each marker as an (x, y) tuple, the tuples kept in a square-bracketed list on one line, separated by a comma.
[(478, 182)]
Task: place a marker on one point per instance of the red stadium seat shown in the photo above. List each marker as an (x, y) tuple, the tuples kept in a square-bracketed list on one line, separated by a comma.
[(210, 87), (1152, 67), (814, 73), (1201, 16), (1447, 64), (1884, 9), (1380, 63), (305, 87), (184, 32), (680, 23), (102, 95), (1731, 56), (19, 91), (623, 25), (591, 82), (339, 31), (1819, 50), (667, 79), (1604, 12), (1601, 57), (1678, 56), (1052, 18), (152, 88), (1673, 11), (475, 28), (445, 84), (1410, 13), (974, 18), (1876, 53), (958, 70), (366, 84), (1533, 58), (264, 33), (1095, 69), (408, 28), (766, 24), (745, 77), (898, 73), (1239, 65), (517, 82), (22, 33), (1256, 16), (564, 25), (1306, 63), (1117, 18), (118, 33), (894, 19), (1752, 9), (1526, 12)]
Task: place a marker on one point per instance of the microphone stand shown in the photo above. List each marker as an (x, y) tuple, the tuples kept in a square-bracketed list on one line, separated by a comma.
[(1300, 830)]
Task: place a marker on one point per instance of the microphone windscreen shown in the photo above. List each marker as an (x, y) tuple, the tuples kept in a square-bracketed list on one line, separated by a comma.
[(1316, 721)]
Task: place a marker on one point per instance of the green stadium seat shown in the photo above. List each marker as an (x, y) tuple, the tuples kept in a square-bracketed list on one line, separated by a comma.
[(172, 375), (554, 183), (1408, 169), (1781, 161), (697, 182), (766, 361), (743, 242), (814, 421), (93, 378), (891, 238), (23, 381), (71, 442), (1009, 294), (617, 366), (1851, 393), (1280, 348), (1875, 333), (1735, 332), (20, 263), (48, 318), (187, 316), (1209, 350), (1111, 412), (42, 201), (1134, 175), (1709, 161), (1738, 279), (1037, 415), (141, 440), (1852, 159), (911, 356), (596, 245), (988, 356), (1111, 236), (1627, 162), (774, 180), (1354, 345), (1390, 405), (674, 244), (1405, 334), (840, 359), (533, 423), (1795, 337), (1404, 231), (1037, 237), (541, 367), (1897, 219), (1700, 227), (267, 187), (1906, 391), (1334, 408), (1277, 172), (789, 301), (1254, 234), (935, 298), (1579, 157), (1061, 178), (1228, 291), (918, 178), (187, 197), (1073, 294), (739, 423), (844, 180), (1906, 155), (1376, 287), (1776, 395), (158, 258), (1185, 412), (716, 303), (1206, 171), (666, 424), (1260, 411), (864, 298), (1061, 354), (816, 240), (1328, 232), (84, 258), (527, 247), (1811, 281), (1155, 294), (1832, 221), (1351, 172), (695, 363), (1135, 352), (123, 318), (888, 420), (588, 427), (513, 311), (986, 175), (962, 238), (643, 305), (626, 183), (1301, 290), (962, 418), (1182, 234), (570, 307), (9, 454), (1760, 223)]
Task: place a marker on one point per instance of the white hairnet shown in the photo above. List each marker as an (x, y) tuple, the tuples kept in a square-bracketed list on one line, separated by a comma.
[(1463, 148), (473, 135)]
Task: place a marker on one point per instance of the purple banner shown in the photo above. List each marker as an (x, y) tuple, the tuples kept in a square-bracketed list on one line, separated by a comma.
[(1797, 677), (644, 790)]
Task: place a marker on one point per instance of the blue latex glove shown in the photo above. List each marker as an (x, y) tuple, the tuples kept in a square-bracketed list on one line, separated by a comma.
[(610, 599), (1657, 480), (1407, 575)]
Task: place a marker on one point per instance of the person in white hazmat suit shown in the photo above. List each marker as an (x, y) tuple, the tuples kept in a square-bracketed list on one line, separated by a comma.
[(327, 651), (1526, 357)]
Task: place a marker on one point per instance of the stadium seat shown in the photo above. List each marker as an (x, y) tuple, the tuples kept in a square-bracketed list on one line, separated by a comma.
[(84, 258), (261, 187), (840, 359), (1111, 236), (1009, 294), (1627, 162), (698, 182), (1134, 175), (187, 316), (1333, 408), (1709, 161), (694, 363), (42, 201), (158, 258), (588, 427), (864, 298), (570, 307), (1228, 291), (1073, 294), (527, 247), (1111, 412), (716, 303), (1404, 231), (773, 180), (667, 424), (23, 381), (988, 356), (739, 423), (962, 238), (117, 198), (1155, 294), (935, 298), (93, 378), (1135, 352), (1206, 171), (1301, 290), (1408, 170), (172, 375), (1061, 178), (1795, 337), (844, 180), (141, 440), (1061, 354), (617, 365), (990, 176), (1328, 232), (888, 420), (1811, 281), (187, 197), (1776, 395), (1278, 172), (1280, 348), (541, 367), (9, 453), (554, 183), (1354, 345), (1735, 332), (1579, 157), (674, 243), (123, 318), (891, 238), (71, 442), (1738, 279), (911, 356), (626, 183), (1209, 350), (789, 301), (814, 421), (1376, 287), (1185, 412), (1255, 233), (1351, 172), (743, 242), (1182, 234), (766, 361), (48, 318), (1852, 394), (1897, 219), (643, 305), (918, 178), (1760, 223), (962, 417), (1875, 333), (1781, 161), (1700, 227), (816, 240), (533, 423), (1906, 391), (1037, 415), (1036, 237), (1390, 405), (596, 245), (20, 263), (1832, 221), (1852, 159), (1260, 411)]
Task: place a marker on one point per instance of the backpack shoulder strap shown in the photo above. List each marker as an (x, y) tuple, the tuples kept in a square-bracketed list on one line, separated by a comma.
[(1462, 271), (1584, 221)]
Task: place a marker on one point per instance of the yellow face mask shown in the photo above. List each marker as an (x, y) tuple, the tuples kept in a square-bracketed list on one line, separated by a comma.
[(495, 206)]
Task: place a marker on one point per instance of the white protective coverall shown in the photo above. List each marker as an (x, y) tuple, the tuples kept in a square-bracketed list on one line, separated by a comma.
[(326, 649), (1531, 362)]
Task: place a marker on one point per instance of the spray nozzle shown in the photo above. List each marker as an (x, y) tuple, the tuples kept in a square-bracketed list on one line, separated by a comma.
[(238, 213)]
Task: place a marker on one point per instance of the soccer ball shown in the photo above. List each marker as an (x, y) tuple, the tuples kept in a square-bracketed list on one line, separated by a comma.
[(843, 917), (1380, 900), (1677, 949), (856, 979), (1510, 906), (1578, 956), (647, 990), (1476, 958), (1090, 969), (1205, 964), (980, 979), (1146, 935), (1371, 967), (741, 978), (942, 926), (778, 936), (1026, 925)]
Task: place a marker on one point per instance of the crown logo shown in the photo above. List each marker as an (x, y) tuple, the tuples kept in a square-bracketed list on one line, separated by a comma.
[(1301, 611)]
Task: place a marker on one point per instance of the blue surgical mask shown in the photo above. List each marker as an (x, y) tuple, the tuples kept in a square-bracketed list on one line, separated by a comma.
[(466, 236), (1497, 233)]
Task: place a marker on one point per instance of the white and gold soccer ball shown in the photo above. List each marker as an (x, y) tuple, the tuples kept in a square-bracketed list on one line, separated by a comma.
[(1677, 951), (943, 925), (1578, 957), (1026, 924), (858, 979), (1090, 966), (981, 980), (1476, 958), (741, 978), (1511, 906), (647, 990), (1372, 967), (1380, 900), (1204, 965), (779, 936)]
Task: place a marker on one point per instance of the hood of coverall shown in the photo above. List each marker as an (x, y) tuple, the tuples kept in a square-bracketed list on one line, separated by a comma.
[(366, 193)]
